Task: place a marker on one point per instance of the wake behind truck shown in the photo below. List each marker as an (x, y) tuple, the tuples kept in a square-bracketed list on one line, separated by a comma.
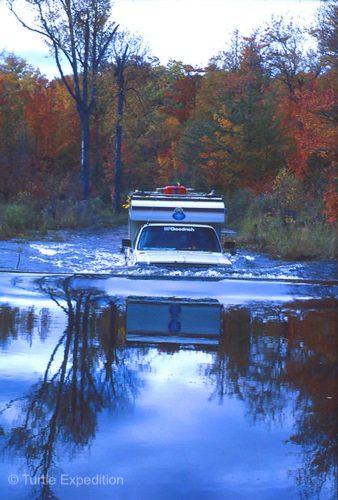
[(175, 225)]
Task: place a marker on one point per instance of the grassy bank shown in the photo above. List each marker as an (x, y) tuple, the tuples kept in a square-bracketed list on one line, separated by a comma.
[(269, 225), (288, 240), (23, 220)]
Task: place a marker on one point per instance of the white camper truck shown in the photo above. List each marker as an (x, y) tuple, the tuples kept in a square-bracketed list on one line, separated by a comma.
[(175, 225)]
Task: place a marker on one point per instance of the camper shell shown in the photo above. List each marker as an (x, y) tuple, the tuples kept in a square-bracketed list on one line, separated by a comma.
[(186, 208), (173, 207)]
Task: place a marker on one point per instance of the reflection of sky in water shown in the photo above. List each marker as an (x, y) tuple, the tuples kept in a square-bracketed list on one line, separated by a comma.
[(175, 441), (195, 424), (189, 443), (28, 289)]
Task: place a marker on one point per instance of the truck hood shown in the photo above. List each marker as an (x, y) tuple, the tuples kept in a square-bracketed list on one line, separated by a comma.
[(181, 257)]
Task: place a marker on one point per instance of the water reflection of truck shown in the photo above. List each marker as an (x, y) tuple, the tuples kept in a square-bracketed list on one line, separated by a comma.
[(175, 225), (173, 320)]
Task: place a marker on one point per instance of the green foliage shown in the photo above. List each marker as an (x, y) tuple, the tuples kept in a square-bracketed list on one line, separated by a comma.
[(287, 193), (237, 205), (282, 222), (293, 241), (16, 220), (286, 235), (92, 214), (21, 220)]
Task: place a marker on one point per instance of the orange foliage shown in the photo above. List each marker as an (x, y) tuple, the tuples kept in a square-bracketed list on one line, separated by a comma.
[(52, 119), (221, 128), (39, 139), (312, 131), (309, 115), (331, 202), (183, 97)]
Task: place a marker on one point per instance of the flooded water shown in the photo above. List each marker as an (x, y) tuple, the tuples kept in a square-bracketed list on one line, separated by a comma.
[(162, 384), (99, 252)]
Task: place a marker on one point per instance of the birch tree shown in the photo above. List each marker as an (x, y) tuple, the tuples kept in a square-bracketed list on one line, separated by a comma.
[(79, 34), (127, 52)]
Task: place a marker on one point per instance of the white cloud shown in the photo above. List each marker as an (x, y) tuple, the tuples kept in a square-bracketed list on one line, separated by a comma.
[(195, 30), (13, 36)]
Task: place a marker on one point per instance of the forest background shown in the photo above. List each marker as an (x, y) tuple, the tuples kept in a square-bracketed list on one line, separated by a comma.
[(258, 124)]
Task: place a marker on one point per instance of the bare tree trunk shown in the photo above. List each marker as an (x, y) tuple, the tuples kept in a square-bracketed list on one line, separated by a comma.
[(82, 33), (96, 163), (118, 145), (85, 145)]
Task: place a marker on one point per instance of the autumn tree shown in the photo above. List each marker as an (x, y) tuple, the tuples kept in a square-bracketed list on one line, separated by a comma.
[(17, 83), (306, 102), (229, 59), (54, 129), (284, 53), (243, 147), (199, 131), (150, 135), (79, 35), (178, 108), (180, 97), (315, 111), (126, 53), (326, 33)]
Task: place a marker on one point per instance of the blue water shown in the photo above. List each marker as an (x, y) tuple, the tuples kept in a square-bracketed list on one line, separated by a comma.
[(99, 252), (131, 383)]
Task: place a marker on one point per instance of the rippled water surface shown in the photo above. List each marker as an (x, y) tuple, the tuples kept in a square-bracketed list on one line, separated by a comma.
[(99, 252), (164, 383)]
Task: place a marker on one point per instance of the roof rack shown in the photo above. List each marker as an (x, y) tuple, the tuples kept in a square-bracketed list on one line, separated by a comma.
[(159, 194)]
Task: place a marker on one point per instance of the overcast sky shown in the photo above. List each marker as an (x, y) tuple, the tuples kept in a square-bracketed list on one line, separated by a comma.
[(192, 31)]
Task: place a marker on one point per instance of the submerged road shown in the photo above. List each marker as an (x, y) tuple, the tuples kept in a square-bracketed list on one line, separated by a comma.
[(98, 252), (35, 288)]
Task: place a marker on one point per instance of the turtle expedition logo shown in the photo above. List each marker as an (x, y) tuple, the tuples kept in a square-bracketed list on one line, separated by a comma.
[(178, 214)]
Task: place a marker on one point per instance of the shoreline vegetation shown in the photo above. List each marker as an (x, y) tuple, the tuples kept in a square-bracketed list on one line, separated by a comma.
[(284, 226), (257, 124), (30, 220), (266, 224)]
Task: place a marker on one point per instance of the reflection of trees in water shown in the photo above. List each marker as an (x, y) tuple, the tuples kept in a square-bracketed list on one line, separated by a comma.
[(17, 322), (87, 371), (287, 363), (249, 365), (313, 368), (233, 355), (276, 361)]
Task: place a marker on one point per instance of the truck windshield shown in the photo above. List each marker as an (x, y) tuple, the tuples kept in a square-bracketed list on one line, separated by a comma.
[(179, 238)]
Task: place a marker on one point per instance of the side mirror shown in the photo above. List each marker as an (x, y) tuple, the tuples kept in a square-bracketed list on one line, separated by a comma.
[(126, 243), (230, 246)]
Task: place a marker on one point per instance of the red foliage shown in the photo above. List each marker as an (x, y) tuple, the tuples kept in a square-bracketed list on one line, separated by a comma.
[(182, 97), (309, 118)]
